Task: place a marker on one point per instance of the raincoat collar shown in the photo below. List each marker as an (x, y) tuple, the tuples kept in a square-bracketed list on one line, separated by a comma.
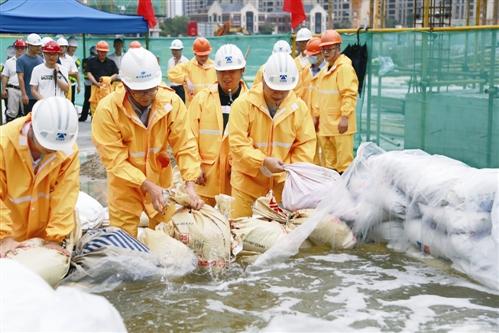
[(207, 65), (287, 107), (160, 107)]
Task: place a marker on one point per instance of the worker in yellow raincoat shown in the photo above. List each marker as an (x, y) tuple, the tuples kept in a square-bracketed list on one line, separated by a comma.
[(209, 114), (132, 130), (268, 126), (198, 73), (310, 77), (39, 176), (302, 37), (279, 46), (335, 104)]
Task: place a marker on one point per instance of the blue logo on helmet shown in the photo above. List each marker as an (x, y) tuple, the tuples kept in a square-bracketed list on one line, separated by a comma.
[(283, 77), (60, 136), (228, 59)]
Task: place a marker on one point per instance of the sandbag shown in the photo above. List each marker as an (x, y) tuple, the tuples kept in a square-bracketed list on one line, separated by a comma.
[(224, 204), (267, 208), (90, 212), (173, 255), (258, 235), (49, 264), (206, 232), (305, 185), (331, 231)]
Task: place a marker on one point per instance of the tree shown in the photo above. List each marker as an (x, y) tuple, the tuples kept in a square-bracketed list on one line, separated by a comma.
[(174, 26), (265, 29)]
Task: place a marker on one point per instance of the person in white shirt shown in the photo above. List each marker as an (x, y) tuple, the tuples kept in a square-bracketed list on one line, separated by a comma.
[(10, 83), (65, 59), (50, 78), (118, 52), (177, 46)]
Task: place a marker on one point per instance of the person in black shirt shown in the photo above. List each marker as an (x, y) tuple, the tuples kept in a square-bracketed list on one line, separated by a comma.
[(97, 67)]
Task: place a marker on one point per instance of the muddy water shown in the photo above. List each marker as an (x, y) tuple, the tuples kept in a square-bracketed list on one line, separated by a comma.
[(366, 289)]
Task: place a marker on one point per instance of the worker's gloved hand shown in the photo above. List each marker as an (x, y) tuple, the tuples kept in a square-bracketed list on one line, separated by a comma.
[(195, 201), (201, 180), (156, 194), (274, 165), (7, 245), (343, 125), (57, 247)]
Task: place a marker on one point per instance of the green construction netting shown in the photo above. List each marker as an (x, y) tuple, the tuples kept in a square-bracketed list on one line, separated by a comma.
[(438, 91)]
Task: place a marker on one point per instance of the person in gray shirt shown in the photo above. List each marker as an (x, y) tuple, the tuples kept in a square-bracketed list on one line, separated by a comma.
[(24, 68)]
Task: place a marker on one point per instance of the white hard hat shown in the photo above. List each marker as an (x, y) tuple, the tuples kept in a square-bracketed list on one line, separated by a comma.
[(55, 123), (73, 42), (303, 35), (34, 39), (140, 69), (280, 72), (62, 42), (281, 46), (45, 40), (176, 45), (229, 57)]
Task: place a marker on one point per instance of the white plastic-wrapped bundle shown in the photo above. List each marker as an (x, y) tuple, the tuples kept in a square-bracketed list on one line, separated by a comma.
[(447, 208), (29, 304)]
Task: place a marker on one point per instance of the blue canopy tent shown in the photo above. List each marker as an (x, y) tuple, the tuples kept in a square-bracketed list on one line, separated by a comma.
[(65, 17)]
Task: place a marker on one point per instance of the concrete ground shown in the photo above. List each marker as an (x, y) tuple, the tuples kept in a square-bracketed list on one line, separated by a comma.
[(85, 139)]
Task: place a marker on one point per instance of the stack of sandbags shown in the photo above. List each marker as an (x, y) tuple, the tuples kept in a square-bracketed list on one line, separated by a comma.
[(443, 206), (270, 223)]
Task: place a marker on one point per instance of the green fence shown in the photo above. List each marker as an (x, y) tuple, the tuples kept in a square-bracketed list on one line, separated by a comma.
[(434, 90)]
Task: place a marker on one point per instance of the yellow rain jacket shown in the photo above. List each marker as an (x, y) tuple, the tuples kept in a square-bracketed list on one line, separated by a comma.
[(35, 205), (206, 120), (133, 153), (254, 135), (258, 76), (98, 93), (301, 64), (336, 97), (201, 76)]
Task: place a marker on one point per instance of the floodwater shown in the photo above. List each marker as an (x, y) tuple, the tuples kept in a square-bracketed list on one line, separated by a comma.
[(370, 289)]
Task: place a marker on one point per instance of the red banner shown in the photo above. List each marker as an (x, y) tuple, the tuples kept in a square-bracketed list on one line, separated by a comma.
[(295, 8), (145, 9)]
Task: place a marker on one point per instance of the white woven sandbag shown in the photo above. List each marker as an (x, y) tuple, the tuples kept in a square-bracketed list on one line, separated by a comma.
[(305, 185), (174, 256), (49, 264), (258, 235), (90, 212), (330, 231)]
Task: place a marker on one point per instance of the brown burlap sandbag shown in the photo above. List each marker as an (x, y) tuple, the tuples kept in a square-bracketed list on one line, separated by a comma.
[(206, 232)]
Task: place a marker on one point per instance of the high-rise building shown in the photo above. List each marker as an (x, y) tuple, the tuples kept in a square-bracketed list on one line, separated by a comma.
[(195, 7)]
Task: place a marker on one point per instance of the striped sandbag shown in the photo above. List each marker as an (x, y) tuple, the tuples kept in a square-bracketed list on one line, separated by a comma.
[(114, 238)]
